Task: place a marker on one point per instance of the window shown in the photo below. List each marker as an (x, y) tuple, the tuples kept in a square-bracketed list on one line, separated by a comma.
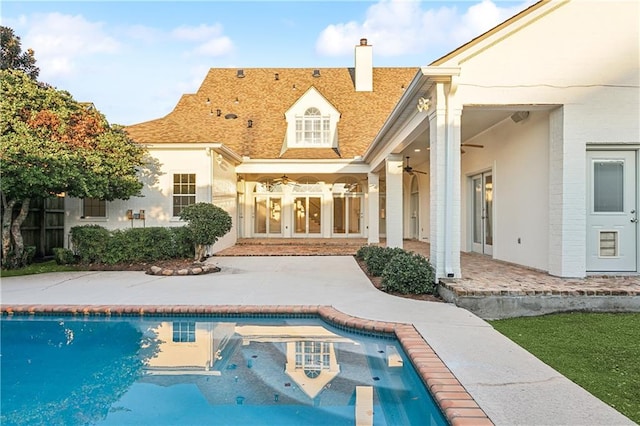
[(313, 128), (184, 191), (184, 332), (94, 207), (313, 357)]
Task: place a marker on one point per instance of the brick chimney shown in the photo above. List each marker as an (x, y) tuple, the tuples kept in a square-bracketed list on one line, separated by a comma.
[(364, 67)]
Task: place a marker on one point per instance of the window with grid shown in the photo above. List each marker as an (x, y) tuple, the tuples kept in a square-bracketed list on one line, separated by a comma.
[(312, 129), (184, 332), (94, 207), (184, 191)]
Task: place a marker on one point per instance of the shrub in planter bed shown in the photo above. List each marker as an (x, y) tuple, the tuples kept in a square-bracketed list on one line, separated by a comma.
[(63, 256), (409, 273), (377, 258), (90, 242)]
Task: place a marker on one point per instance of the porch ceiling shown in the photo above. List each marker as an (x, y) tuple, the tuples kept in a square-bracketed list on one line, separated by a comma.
[(475, 120)]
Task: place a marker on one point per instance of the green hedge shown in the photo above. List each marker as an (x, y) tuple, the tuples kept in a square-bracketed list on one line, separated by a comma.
[(95, 244), (409, 273), (377, 258), (63, 256), (401, 271)]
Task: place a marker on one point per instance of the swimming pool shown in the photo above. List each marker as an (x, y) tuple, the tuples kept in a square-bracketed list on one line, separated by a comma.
[(189, 369)]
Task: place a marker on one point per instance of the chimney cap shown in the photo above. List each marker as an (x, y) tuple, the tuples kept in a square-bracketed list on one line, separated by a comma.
[(363, 42)]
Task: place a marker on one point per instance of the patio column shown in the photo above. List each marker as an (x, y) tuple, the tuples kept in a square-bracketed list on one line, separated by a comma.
[(373, 202), (393, 207), (444, 128)]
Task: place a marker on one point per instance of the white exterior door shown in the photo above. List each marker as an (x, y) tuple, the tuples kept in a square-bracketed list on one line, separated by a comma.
[(307, 215), (267, 216), (482, 205), (612, 211)]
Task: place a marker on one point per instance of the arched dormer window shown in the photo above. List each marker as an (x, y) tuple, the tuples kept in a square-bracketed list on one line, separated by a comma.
[(312, 128)]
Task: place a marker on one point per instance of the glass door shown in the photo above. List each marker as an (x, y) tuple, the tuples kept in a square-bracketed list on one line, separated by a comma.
[(267, 215), (307, 215), (482, 205), (347, 214)]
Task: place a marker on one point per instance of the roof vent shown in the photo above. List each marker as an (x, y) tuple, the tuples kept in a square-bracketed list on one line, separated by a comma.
[(277, 76), (230, 116), (240, 74), (316, 73)]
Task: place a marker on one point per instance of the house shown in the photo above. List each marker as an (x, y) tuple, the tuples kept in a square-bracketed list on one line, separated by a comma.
[(523, 145), (280, 149)]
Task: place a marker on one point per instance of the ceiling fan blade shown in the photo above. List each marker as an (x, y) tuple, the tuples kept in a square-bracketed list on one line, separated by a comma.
[(473, 145), (421, 172)]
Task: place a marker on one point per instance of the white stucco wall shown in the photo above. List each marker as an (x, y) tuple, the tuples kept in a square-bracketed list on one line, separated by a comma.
[(582, 61), (156, 199), (517, 155)]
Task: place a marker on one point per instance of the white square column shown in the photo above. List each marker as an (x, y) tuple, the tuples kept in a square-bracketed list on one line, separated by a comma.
[(393, 208), (445, 204), (373, 207)]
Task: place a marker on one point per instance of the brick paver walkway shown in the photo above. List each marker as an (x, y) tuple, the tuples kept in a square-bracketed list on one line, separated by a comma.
[(481, 275)]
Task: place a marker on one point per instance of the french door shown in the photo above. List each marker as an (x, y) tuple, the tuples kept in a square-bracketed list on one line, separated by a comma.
[(347, 214), (267, 215), (482, 205), (612, 211), (307, 215)]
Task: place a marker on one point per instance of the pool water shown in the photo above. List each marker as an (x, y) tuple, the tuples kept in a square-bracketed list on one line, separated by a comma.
[(203, 370)]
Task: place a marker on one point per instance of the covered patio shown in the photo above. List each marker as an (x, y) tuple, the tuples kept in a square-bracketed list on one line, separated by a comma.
[(490, 288)]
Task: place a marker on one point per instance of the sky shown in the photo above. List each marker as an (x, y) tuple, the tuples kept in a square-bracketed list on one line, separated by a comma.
[(134, 60)]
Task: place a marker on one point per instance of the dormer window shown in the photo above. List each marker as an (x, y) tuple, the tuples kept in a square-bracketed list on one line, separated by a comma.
[(312, 122), (313, 129)]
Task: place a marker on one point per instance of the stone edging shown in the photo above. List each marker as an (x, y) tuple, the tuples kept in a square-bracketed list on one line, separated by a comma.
[(457, 405), (195, 269)]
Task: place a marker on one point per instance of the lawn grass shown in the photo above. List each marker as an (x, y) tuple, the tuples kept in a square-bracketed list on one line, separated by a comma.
[(600, 352), (38, 268)]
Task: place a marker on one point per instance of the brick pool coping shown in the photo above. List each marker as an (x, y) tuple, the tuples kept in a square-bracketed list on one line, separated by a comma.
[(457, 405)]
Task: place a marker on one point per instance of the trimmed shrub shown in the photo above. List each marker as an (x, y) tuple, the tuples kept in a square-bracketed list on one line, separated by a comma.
[(363, 251), (377, 258), (207, 224), (409, 273), (90, 242), (63, 256), (183, 242), (131, 245)]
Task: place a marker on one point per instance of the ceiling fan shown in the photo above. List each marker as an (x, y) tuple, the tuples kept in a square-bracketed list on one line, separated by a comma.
[(407, 168), (285, 180), (471, 145)]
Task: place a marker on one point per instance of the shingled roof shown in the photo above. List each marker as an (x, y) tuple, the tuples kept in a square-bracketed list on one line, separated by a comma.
[(262, 98)]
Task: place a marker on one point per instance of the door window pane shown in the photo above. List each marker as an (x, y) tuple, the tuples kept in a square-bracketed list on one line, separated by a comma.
[(477, 211), (354, 215), (488, 212), (315, 221), (275, 215), (339, 215), (608, 186), (260, 216)]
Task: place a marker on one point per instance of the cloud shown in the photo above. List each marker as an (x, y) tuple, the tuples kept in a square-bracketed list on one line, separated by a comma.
[(211, 38), (401, 27), (62, 41)]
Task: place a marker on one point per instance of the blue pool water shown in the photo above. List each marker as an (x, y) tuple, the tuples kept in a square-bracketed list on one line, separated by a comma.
[(200, 370)]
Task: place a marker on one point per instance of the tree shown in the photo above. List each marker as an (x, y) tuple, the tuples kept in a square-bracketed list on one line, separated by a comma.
[(12, 56), (207, 224), (51, 144)]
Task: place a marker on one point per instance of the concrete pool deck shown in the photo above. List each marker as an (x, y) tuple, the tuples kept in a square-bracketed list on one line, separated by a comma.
[(508, 383)]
